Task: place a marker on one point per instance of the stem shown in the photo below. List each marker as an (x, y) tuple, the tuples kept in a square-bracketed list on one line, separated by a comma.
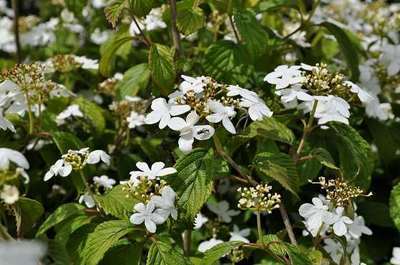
[(307, 129), (187, 241), (30, 116), (234, 29), (287, 224), (259, 228), (4, 234), (175, 34), (146, 40), (14, 4), (18, 220)]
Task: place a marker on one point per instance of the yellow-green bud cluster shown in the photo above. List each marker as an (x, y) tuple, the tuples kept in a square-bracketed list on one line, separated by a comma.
[(76, 158), (236, 255), (259, 198), (145, 188)]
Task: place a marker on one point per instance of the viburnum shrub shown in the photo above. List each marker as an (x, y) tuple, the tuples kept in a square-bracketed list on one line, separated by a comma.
[(199, 132)]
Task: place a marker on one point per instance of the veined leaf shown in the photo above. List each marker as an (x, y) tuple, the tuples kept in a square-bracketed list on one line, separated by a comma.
[(394, 205), (135, 79), (114, 11), (65, 141), (92, 112), (324, 157), (214, 254), (189, 19), (161, 252), (30, 211), (141, 8), (161, 62)]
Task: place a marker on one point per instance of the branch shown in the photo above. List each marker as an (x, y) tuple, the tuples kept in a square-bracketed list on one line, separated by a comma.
[(146, 40), (234, 29), (175, 34), (287, 224), (16, 30)]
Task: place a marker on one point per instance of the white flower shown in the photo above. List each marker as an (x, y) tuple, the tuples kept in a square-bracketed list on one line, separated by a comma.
[(99, 3), (59, 168), (88, 200), (189, 131), (222, 210), (9, 155), (290, 96), (21, 252), (340, 222), (99, 37), (153, 20), (256, 108), (166, 202), (5, 124), (381, 111), (104, 181), (239, 235), (157, 170), (86, 63), (368, 79), (334, 249), (9, 194), (221, 113), (199, 221), (148, 215), (209, 244), (162, 112), (395, 260), (70, 111), (362, 94), (135, 119), (284, 76), (316, 215), (195, 84), (96, 156), (391, 58), (358, 227)]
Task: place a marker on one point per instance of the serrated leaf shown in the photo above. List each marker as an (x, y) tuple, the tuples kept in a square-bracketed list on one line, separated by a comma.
[(324, 157), (117, 202), (189, 19), (141, 8), (298, 256), (65, 141), (355, 155), (347, 47), (58, 253), (161, 62), (272, 5), (109, 49), (124, 255), (278, 166), (194, 180), (269, 128), (114, 11), (62, 213), (104, 236), (275, 244), (70, 225), (30, 211), (214, 254), (135, 79), (92, 112), (394, 205), (161, 252)]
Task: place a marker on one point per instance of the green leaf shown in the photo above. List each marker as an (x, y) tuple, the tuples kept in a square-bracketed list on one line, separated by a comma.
[(75, 6), (195, 179), (272, 5), (269, 128), (92, 112), (62, 213), (141, 8), (279, 167), (70, 225), (251, 32), (135, 79), (104, 236), (65, 141), (161, 252), (117, 202), (114, 10), (394, 205), (161, 62), (58, 253), (214, 254), (275, 244), (124, 255), (347, 46), (109, 49), (324, 157), (189, 19), (376, 213), (298, 256), (30, 211), (355, 155)]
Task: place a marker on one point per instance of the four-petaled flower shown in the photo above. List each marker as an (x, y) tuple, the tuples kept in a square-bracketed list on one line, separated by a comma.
[(158, 169), (222, 210), (221, 113), (166, 202), (104, 181), (284, 76), (8, 155), (147, 214), (162, 112)]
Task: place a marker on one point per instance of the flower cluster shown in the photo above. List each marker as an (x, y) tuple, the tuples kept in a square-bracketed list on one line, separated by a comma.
[(259, 198), (157, 199), (207, 101)]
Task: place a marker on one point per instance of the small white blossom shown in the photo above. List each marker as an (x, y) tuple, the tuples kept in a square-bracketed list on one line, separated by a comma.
[(147, 214), (86, 63), (395, 260), (162, 112), (96, 156), (189, 131), (239, 235), (59, 168), (199, 221), (88, 200), (9, 194), (340, 222), (166, 203), (222, 210), (391, 58), (221, 113), (5, 124), (9, 155), (104, 181), (209, 244), (135, 120), (358, 227), (284, 76), (158, 169), (315, 215), (70, 111), (195, 84)]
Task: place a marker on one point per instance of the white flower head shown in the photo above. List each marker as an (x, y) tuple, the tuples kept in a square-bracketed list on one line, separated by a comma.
[(239, 235), (162, 112), (88, 200), (69, 112), (340, 222), (199, 221), (209, 244), (222, 210), (147, 214), (96, 156), (9, 194), (195, 84), (86, 63), (391, 58), (357, 228), (315, 215), (189, 131), (221, 113), (9, 155), (104, 181), (158, 169), (135, 120), (60, 167), (166, 203), (284, 76), (395, 260)]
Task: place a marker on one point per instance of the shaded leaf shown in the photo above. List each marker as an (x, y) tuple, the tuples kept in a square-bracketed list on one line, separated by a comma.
[(136, 78), (161, 62)]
